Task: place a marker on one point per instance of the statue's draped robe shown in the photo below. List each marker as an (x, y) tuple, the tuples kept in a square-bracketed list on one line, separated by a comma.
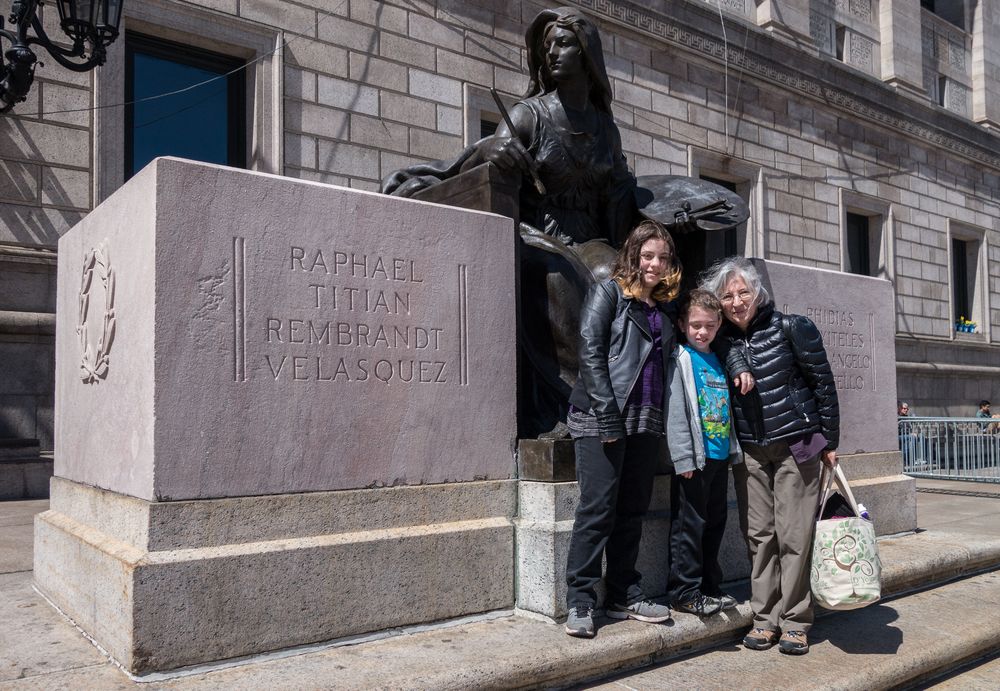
[(570, 236)]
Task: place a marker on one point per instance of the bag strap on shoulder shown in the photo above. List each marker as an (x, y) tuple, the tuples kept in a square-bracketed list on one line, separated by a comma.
[(786, 327)]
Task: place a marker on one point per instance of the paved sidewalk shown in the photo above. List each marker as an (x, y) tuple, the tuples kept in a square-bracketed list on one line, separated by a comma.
[(41, 650)]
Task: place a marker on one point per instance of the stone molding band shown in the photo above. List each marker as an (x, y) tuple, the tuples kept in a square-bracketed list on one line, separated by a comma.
[(948, 369), (27, 323)]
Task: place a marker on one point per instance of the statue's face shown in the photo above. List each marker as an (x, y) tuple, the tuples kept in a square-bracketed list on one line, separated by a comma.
[(563, 53)]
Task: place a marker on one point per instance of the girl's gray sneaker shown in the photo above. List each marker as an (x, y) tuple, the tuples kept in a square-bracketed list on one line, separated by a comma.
[(580, 622), (645, 610)]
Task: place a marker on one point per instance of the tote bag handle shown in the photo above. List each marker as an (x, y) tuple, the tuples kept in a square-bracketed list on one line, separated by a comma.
[(842, 485)]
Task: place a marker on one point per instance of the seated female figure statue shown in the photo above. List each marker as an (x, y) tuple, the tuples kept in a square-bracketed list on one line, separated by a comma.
[(564, 137)]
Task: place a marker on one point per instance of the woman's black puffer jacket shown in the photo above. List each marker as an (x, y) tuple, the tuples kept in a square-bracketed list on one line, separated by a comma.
[(795, 392)]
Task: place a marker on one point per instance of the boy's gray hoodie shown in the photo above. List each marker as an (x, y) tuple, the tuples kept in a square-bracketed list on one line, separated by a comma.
[(685, 440)]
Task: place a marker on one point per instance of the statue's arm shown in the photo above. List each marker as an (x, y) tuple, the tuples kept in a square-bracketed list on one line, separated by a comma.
[(505, 149)]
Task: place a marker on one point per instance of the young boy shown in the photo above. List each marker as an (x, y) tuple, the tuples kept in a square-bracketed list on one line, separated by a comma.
[(702, 445)]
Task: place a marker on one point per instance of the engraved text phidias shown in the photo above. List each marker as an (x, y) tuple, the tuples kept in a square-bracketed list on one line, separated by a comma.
[(849, 339), (361, 320)]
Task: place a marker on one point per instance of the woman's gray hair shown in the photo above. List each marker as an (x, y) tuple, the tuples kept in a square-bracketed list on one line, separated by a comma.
[(715, 278)]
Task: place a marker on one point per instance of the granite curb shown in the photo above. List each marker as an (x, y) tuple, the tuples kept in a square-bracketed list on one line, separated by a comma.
[(937, 567), (923, 560), (904, 643), (520, 652)]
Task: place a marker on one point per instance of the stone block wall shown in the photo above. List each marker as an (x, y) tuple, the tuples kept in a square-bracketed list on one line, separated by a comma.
[(365, 87)]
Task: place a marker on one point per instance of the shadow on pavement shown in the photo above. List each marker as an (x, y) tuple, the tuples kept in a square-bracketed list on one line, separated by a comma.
[(866, 631)]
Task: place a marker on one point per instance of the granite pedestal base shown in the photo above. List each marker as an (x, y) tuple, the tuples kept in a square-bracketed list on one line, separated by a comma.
[(544, 526), (161, 585), (545, 523), (877, 481)]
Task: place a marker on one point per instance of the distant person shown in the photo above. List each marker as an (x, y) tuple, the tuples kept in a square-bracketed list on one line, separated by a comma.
[(702, 445), (903, 409), (984, 412), (787, 426)]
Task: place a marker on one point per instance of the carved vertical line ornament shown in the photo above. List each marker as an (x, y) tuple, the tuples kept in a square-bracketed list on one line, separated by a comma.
[(239, 310), (871, 329), (463, 325)]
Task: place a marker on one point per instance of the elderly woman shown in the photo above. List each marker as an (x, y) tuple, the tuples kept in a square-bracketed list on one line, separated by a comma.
[(787, 426)]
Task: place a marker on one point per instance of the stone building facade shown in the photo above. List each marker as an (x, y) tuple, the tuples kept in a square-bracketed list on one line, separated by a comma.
[(863, 133)]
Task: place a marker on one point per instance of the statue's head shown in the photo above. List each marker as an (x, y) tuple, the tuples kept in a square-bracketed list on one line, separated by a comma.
[(541, 80)]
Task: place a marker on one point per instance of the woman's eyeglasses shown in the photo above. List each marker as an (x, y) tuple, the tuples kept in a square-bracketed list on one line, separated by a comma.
[(744, 296)]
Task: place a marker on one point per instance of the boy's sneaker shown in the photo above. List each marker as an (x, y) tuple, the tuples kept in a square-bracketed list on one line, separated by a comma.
[(725, 599), (644, 610), (702, 605), (794, 643), (580, 622)]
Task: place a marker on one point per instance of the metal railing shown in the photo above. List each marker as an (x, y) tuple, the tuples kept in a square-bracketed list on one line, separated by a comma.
[(953, 448)]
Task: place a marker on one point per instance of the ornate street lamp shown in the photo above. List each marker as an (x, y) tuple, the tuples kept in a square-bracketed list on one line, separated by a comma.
[(91, 24)]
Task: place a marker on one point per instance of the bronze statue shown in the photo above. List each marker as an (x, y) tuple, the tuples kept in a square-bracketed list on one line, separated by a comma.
[(564, 136)]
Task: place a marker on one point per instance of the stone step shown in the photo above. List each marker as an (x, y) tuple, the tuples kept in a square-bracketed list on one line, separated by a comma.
[(919, 633), (980, 674), (897, 643), (520, 652)]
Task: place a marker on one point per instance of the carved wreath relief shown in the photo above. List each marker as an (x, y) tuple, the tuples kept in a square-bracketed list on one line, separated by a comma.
[(95, 359)]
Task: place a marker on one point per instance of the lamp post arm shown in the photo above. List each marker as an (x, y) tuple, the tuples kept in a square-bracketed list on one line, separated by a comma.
[(18, 74), (17, 71), (62, 55)]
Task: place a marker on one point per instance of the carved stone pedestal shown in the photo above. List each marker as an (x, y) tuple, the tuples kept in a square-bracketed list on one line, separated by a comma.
[(288, 416)]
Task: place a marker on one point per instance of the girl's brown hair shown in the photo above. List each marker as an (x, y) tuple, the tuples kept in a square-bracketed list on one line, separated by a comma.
[(626, 270)]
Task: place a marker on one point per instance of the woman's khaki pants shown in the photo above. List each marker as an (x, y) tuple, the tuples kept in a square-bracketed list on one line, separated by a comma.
[(778, 499)]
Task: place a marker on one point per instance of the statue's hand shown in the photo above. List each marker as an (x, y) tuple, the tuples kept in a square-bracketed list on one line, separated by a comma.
[(508, 154), (683, 227)]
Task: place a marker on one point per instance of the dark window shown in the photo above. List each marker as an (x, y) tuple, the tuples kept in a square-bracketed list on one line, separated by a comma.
[(952, 11), (487, 128), (960, 278), (927, 5), (841, 42), (858, 245), (205, 123), (942, 87)]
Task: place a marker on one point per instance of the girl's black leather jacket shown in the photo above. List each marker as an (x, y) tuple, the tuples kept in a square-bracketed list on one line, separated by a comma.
[(615, 341), (795, 392)]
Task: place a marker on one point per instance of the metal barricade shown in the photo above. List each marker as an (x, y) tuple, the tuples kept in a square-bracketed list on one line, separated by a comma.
[(952, 448)]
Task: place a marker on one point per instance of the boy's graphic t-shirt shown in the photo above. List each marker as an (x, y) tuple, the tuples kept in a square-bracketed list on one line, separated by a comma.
[(713, 402)]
